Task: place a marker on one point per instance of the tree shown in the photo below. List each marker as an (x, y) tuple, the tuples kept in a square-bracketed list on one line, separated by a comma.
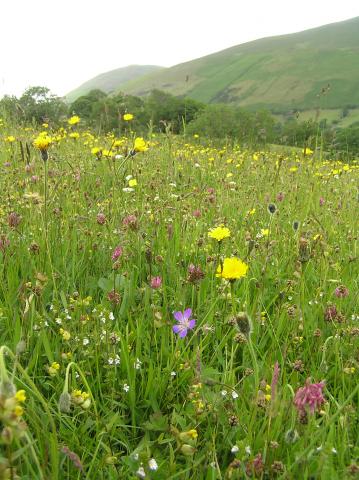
[(40, 105)]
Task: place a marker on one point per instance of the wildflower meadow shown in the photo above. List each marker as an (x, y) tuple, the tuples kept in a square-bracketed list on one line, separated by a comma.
[(172, 308)]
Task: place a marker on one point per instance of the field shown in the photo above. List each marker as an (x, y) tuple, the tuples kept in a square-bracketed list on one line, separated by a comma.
[(170, 309)]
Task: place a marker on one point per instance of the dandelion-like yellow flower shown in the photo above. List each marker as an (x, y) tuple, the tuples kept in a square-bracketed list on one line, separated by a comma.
[(10, 139), (74, 120), (132, 182), (219, 233), (140, 145), (128, 117), (74, 135), (233, 268), (42, 142)]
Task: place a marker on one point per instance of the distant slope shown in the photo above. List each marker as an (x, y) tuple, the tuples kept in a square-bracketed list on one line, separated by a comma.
[(111, 81), (280, 73)]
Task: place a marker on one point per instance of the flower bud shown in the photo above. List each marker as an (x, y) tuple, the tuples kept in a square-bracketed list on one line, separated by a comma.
[(65, 402), (188, 450)]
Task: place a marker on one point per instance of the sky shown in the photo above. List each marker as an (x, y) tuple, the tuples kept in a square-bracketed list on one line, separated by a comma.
[(62, 43)]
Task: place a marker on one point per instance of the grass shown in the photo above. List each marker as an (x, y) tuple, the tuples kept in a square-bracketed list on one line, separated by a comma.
[(110, 388)]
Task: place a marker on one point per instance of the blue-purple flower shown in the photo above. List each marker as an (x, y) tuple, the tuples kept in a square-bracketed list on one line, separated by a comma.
[(185, 322)]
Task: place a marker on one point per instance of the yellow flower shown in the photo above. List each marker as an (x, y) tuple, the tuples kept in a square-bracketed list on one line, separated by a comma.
[(18, 410), (264, 232), (307, 151), (128, 117), (10, 139), (74, 120), (20, 396), (74, 135), (65, 334), (132, 182), (42, 142), (53, 369), (219, 233), (192, 433), (96, 151), (232, 269), (140, 145)]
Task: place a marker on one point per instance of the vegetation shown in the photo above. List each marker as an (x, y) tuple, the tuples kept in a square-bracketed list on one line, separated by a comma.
[(301, 71), (171, 309), (162, 112)]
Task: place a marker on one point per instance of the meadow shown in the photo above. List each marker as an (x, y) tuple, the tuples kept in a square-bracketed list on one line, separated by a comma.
[(173, 309)]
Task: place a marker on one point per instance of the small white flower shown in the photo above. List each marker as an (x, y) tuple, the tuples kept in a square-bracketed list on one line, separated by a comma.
[(137, 364), (58, 321), (234, 395), (110, 361), (135, 456), (235, 449), (319, 449), (334, 450), (85, 341), (128, 189), (224, 393), (152, 464), (128, 178), (111, 316), (173, 374), (126, 388), (118, 157), (248, 450), (141, 472)]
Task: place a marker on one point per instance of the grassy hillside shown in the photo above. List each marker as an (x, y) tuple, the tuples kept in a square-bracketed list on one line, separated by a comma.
[(280, 73), (112, 80)]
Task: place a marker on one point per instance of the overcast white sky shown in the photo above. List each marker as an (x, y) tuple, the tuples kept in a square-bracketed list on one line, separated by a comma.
[(62, 43)]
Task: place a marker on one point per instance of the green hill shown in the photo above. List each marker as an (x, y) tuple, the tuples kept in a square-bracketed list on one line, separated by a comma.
[(279, 73), (111, 81)]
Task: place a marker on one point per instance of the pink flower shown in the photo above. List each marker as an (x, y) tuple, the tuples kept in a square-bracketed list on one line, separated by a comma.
[(116, 254), (280, 197), (196, 213), (101, 218), (309, 397), (130, 222), (156, 282), (321, 201), (341, 291)]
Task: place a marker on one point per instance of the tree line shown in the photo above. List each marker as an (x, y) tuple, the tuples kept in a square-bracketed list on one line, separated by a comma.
[(162, 112)]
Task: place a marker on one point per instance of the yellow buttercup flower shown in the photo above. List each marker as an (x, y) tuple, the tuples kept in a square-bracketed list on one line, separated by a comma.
[(219, 233), (132, 182), (74, 120), (128, 117), (20, 396), (18, 410), (232, 269)]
